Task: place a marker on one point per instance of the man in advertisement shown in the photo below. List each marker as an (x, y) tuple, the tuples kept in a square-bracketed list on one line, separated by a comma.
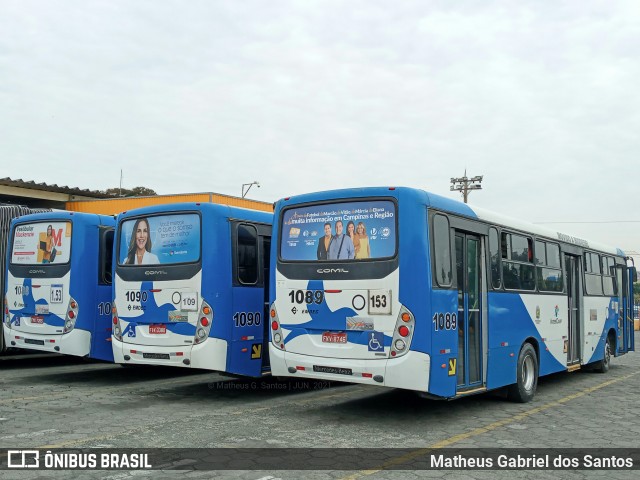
[(341, 247), (324, 243)]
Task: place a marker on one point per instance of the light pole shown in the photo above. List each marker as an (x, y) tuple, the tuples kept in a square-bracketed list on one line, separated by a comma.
[(248, 187), (464, 184)]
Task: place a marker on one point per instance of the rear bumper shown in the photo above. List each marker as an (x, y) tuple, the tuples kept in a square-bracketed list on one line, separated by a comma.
[(210, 354), (77, 342), (411, 371)]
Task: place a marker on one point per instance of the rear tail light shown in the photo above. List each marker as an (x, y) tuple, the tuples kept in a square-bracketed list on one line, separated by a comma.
[(7, 314), (403, 333), (277, 339), (72, 316), (116, 331), (205, 320)]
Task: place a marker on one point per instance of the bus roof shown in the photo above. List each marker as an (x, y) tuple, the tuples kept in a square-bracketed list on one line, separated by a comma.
[(223, 210), (453, 206)]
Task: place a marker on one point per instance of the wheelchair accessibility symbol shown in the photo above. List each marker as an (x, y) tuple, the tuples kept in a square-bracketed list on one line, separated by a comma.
[(376, 341)]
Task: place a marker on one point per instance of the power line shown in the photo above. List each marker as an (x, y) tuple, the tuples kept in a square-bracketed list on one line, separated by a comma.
[(465, 184), (599, 221)]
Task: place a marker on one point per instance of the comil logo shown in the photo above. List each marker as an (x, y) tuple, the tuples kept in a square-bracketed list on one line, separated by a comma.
[(23, 459), (155, 272), (332, 270)]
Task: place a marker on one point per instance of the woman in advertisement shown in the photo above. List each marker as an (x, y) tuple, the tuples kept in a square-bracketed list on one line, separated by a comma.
[(48, 245), (361, 242), (139, 252)]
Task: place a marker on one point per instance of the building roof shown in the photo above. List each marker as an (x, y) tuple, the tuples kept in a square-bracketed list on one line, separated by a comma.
[(19, 183)]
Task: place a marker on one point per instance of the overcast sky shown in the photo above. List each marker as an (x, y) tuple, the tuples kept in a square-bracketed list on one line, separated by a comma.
[(539, 97)]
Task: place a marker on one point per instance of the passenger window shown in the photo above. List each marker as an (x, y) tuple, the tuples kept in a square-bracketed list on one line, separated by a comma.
[(106, 257), (442, 251), (518, 271), (592, 275), (548, 265), (247, 254), (494, 253)]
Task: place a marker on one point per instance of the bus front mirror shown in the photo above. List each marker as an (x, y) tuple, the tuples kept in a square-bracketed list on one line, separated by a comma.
[(634, 274)]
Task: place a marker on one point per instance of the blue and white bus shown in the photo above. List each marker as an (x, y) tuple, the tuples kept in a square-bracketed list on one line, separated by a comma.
[(58, 284), (191, 287), (402, 288)]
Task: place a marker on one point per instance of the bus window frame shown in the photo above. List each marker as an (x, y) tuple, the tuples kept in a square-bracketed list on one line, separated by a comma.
[(369, 269), (263, 230), (530, 254), (591, 273), (333, 202), (157, 214), (46, 265), (103, 268), (432, 246)]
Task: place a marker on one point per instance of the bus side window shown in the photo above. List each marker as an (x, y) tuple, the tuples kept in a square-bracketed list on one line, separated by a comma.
[(494, 258), (247, 254), (442, 251), (592, 274), (106, 256)]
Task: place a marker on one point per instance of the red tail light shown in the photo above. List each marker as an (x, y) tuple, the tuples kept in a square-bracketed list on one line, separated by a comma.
[(274, 325), (403, 331), (204, 321), (71, 314)]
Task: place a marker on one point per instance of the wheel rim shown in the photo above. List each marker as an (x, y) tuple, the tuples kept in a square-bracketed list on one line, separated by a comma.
[(607, 353), (528, 373)]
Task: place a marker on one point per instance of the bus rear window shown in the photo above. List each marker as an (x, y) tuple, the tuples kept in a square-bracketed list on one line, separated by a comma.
[(339, 231), (41, 243), (160, 240)]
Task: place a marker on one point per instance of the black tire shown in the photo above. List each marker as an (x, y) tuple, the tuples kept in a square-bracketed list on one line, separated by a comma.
[(603, 365), (524, 389)]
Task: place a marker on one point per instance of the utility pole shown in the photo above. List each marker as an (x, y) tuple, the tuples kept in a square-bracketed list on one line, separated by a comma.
[(465, 184)]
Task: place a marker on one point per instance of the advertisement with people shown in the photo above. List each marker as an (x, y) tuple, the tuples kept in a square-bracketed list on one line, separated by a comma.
[(160, 240), (339, 231), (41, 243)]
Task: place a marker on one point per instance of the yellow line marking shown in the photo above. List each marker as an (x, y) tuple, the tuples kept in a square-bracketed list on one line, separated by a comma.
[(487, 428)]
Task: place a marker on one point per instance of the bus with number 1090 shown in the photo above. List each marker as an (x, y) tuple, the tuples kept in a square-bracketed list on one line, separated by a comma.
[(402, 288), (190, 287)]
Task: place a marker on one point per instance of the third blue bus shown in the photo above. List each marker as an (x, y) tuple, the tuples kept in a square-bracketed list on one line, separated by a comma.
[(402, 288)]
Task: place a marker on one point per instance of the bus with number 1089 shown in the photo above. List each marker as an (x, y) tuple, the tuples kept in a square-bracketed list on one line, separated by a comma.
[(402, 288)]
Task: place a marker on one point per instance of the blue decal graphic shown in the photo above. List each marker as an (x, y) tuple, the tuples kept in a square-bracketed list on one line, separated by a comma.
[(29, 308), (323, 319), (154, 313), (376, 341)]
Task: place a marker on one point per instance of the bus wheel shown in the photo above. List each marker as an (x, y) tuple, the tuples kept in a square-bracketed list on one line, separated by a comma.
[(603, 365), (527, 376)]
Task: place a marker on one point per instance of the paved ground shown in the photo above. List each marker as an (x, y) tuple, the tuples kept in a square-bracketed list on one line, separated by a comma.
[(60, 402)]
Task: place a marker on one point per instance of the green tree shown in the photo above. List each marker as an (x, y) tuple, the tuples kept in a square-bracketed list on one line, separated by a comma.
[(130, 192)]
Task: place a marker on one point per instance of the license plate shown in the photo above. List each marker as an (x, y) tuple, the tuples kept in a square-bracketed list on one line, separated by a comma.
[(337, 370), (156, 356), (330, 337), (157, 329), (33, 342), (38, 320)]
